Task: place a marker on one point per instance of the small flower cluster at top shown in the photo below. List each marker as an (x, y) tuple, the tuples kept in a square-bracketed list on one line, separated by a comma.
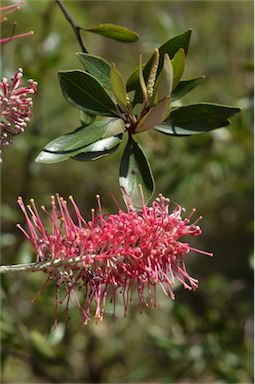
[(131, 251), (15, 106), (3, 17)]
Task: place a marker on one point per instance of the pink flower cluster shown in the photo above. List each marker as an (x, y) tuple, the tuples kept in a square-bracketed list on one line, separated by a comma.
[(6, 11), (15, 106), (132, 251)]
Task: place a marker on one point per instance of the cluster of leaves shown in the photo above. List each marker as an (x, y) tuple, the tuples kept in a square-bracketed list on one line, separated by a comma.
[(108, 114)]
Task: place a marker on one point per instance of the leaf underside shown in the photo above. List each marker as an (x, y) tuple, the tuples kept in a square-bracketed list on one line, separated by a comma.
[(135, 172), (197, 118)]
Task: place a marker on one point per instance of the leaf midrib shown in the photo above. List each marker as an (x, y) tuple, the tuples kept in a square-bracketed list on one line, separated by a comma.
[(91, 96)]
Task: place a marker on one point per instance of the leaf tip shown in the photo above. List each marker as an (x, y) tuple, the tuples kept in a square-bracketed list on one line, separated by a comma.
[(38, 158)]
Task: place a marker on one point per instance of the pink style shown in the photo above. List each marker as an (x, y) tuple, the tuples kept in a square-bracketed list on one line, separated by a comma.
[(132, 251)]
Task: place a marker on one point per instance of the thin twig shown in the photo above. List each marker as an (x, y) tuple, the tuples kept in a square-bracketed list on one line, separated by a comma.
[(76, 28)]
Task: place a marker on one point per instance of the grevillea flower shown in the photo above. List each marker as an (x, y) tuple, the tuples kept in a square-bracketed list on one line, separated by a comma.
[(131, 251), (6, 11), (15, 106)]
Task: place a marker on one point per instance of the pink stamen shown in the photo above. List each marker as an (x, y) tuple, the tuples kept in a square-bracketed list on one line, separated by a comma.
[(113, 253), (202, 252), (15, 37)]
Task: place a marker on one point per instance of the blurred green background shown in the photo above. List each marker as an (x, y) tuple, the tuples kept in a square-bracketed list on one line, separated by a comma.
[(204, 336)]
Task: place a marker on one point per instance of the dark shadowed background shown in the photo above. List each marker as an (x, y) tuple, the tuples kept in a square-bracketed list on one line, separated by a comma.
[(203, 336)]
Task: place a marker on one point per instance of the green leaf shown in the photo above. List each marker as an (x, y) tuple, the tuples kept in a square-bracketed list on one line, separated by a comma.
[(170, 47), (185, 86), (164, 83), (99, 149), (174, 44), (83, 91), (197, 118), (115, 32), (155, 116), (133, 79), (45, 157), (77, 139), (168, 129), (134, 172), (86, 118), (178, 63), (97, 67), (73, 143), (118, 87)]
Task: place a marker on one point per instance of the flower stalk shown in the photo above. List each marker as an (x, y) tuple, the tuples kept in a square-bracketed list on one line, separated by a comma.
[(39, 266)]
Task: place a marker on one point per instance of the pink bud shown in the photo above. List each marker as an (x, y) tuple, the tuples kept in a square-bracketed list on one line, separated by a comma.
[(15, 106)]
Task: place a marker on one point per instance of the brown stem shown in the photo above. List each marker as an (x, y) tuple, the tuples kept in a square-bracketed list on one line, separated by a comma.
[(76, 28)]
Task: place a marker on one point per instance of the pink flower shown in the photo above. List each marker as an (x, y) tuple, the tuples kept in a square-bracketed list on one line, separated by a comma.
[(7, 10), (132, 251), (15, 106)]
